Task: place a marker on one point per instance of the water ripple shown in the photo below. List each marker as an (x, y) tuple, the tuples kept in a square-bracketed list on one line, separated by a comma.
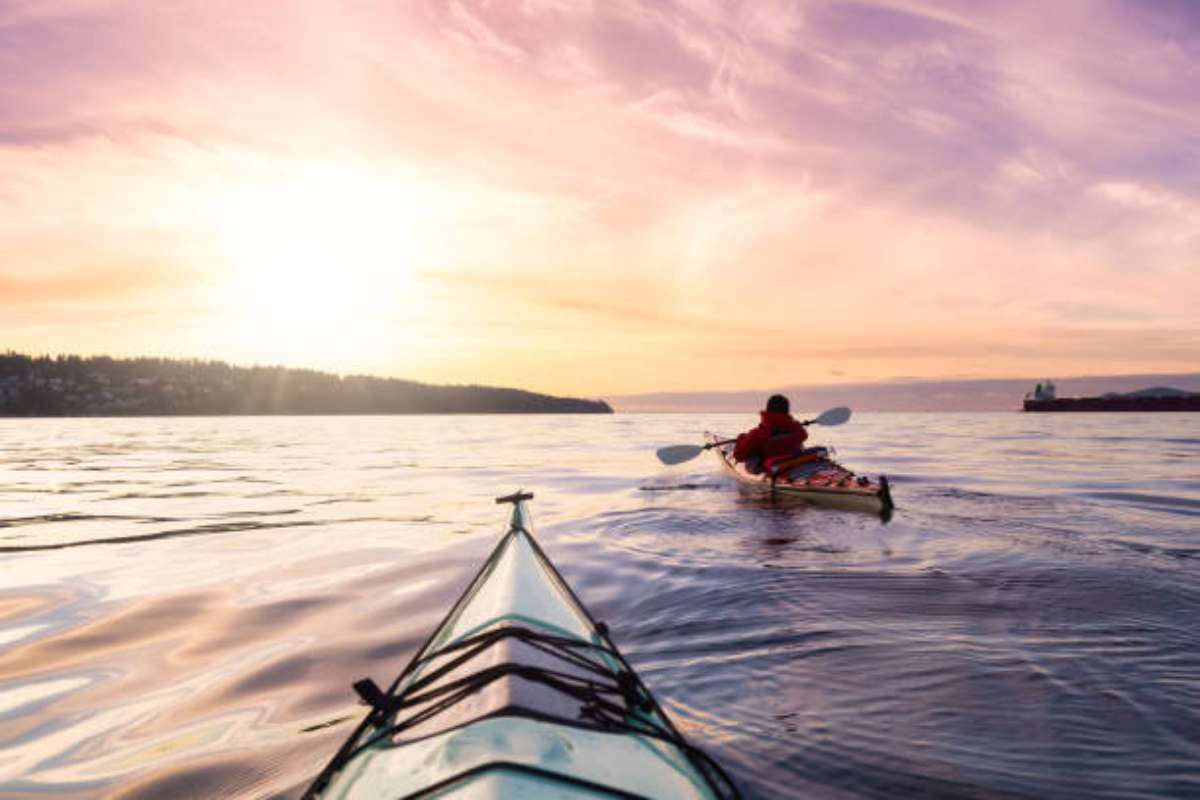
[(188, 600)]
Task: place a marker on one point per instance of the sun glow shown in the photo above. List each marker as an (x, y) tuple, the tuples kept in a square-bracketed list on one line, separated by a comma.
[(320, 260)]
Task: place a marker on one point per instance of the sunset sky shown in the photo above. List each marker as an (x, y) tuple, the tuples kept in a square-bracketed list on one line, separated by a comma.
[(606, 197)]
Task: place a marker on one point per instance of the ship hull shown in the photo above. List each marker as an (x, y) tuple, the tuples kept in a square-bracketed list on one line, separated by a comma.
[(1183, 403)]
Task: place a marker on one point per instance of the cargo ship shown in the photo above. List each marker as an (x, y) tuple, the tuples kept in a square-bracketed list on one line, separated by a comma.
[(1159, 398)]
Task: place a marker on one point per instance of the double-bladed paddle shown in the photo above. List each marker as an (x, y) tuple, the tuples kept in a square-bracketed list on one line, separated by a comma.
[(679, 453)]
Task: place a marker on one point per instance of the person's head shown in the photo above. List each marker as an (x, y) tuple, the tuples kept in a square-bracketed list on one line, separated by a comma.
[(779, 403)]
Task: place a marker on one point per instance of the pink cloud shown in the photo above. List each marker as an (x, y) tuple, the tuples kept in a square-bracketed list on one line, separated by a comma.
[(889, 167)]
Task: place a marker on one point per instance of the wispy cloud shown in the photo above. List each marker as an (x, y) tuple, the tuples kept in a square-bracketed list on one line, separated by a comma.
[(891, 184)]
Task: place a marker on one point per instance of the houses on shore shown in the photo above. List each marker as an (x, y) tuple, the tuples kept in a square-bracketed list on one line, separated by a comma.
[(103, 386)]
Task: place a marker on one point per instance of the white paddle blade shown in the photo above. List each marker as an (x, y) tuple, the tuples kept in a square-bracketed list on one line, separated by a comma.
[(834, 416), (678, 453)]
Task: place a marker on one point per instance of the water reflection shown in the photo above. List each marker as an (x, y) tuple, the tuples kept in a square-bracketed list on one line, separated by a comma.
[(186, 601)]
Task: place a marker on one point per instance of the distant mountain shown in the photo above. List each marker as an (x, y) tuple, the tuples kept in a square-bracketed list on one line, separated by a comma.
[(997, 394), (1159, 391), (102, 386), (1155, 391)]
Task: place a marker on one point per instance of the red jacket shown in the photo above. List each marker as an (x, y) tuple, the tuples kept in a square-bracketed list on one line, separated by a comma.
[(778, 433)]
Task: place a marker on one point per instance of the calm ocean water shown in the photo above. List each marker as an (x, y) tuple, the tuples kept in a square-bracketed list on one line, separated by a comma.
[(185, 602)]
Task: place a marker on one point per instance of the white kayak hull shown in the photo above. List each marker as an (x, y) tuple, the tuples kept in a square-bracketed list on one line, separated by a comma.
[(518, 655), (835, 487)]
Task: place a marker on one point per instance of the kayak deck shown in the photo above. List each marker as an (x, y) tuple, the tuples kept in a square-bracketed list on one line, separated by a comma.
[(824, 483), (519, 692)]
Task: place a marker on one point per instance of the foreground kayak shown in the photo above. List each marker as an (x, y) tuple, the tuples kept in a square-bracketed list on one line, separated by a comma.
[(518, 693), (816, 479)]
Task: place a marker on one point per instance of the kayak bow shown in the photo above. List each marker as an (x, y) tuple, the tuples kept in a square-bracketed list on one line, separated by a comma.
[(519, 692)]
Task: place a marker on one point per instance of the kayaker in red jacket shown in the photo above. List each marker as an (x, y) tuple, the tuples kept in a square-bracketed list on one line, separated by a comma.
[(778, 433)]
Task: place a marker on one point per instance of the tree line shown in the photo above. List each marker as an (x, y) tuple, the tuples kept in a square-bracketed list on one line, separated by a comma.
[(101, 385)]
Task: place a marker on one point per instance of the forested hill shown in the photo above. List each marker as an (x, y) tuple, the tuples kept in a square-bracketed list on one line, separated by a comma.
[(102, 386)]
